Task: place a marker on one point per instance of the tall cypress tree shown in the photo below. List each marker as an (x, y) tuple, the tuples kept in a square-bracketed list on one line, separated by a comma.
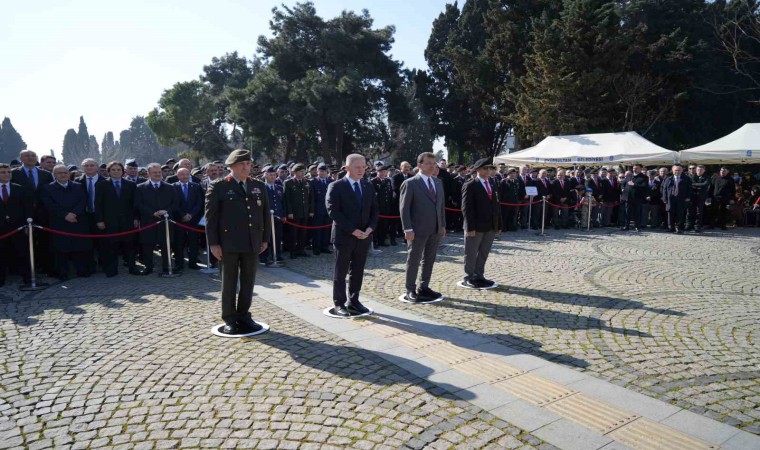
[(71, 152), (11, 142)]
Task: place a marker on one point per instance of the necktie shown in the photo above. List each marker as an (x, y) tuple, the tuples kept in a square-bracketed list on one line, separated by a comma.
[(562, 184), (91, 194), (357, 193), (675, 191), (155, 185), (242, 186), (431, 188), (118, 189), (30, 174), (5, 193), (488, 189), (184, 191)]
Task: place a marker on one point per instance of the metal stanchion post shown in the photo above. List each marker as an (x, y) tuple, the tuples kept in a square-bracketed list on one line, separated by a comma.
[(170, 274), (543, 218), (33, 285), (589, 198), (275, 262), (530, 210)]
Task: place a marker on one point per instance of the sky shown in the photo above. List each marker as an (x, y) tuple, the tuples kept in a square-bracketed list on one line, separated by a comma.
[(110, 60)]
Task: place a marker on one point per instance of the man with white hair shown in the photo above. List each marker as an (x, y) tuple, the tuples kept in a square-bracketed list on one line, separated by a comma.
[(91, 182), (154, 200), (183, 163), (352, 206)]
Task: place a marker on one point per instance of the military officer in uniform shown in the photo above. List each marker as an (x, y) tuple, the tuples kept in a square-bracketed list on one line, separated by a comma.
[(237, 219), (385, 201), (299, 206)]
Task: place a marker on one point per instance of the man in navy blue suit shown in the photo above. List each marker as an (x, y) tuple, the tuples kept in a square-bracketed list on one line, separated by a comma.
[(352, 206), (191, 202)]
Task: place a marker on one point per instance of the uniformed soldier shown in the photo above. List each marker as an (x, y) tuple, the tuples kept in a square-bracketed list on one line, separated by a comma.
[(276, 194), (384, 192), (299, 206), (237, 229)]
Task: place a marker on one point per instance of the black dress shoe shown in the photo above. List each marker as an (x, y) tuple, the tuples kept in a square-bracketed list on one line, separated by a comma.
[(230, 328), (428, 294), (341, 311), (484, 282), (357, 308), (248, 325), (193, 267), (469, 283), (412, 296), (146, 272), (326, 250)]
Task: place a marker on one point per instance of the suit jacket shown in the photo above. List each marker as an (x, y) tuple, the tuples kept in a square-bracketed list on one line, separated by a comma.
[(544, 187), (276, 199), (724, 189), (319, 190), (59, 202), (613, 195), (239, 221), (173, 179), (346, 214), (148, 200), (99, 183), (654, 194), (481, 213), (116, 211), (419, 211), (597, 187), (509, 191), (193, 205), (19, 207), (669, 196), (18, 176), (640, 186), (560, 190)]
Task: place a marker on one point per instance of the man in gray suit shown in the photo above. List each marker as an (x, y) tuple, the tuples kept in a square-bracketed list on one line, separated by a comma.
[(423, 218)]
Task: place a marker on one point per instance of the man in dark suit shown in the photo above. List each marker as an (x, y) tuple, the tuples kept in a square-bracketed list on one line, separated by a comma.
[(183, 164), (34, 178), (320, 238), (155, 199), (189, 213), (676, 194), (275, 195), (422, 216), (353, 208), (523, 181), (65, 202), (16, 204), (237, 219), (482, 221), (91, 182), (723, 192), (115, 213), (543, 185), (560, 189), (701, 185), (299, 207)]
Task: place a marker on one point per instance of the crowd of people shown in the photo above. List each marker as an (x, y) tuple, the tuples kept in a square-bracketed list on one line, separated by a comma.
[(76, 206)]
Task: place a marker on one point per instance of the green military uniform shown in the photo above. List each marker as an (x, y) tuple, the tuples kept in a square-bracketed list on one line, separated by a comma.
[(299, 201), (238, 220)]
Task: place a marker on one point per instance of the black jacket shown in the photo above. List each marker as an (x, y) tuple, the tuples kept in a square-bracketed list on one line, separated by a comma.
[(237, 220), (347, 215), (19, 207), (148, 200), (481, 214), (116, 211)]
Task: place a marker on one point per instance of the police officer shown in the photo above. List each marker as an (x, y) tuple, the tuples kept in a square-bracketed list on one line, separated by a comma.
[(237, 218), (299, 207), (384, 192), (320, 238)]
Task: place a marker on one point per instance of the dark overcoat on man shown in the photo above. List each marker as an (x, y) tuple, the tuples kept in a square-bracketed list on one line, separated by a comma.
[(59, 201), (192, 205), (13, 214), (116, 209), (676, 195)]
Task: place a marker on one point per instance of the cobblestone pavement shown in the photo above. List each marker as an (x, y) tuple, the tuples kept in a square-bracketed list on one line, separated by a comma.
[(129, 362), (676, 317)]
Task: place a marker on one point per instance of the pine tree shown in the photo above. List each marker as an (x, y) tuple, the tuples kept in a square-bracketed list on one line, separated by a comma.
[(11, 142), (71, 152)]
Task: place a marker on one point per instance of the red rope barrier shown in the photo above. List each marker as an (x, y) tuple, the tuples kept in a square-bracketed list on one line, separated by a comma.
[(187, 227), (305, 227), (11, 233), (123, 233), (563, 207), (520, 204), (388, 217)]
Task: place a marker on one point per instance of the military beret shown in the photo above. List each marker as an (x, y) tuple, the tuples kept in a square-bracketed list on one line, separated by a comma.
[(73, 168), (102, 166), (131, 162), (322, 166), (170, 160), (175, 167), (269, 169), (165, 167), (238, 156), (483, 163), (283, 167), (298, 167)]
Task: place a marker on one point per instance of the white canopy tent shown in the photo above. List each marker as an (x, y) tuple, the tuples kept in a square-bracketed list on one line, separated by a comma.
[(740, 147), (595, 149)]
